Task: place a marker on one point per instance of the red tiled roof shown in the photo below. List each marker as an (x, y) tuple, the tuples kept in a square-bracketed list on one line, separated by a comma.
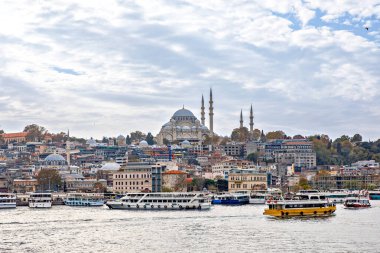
[(15, 135), (174, 172)]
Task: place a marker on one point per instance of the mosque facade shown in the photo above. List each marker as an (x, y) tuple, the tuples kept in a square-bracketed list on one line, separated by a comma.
[(184, 127)]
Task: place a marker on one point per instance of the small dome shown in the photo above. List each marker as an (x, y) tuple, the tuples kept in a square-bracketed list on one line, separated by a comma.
[(120, 137), (179, 127), (54, 157), (110, 166), (186, 128), (204, 128), (194, 127), (143, 144), (185, 143), (183, 113)]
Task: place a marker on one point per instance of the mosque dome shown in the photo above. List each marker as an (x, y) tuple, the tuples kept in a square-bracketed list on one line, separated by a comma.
[(185, 128), (185, 143), (54, 158), (121, 137), (183, 113), (110, 166), (143, 144)]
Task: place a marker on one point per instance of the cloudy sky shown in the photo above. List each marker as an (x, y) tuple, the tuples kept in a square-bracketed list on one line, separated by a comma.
[(103, 68)]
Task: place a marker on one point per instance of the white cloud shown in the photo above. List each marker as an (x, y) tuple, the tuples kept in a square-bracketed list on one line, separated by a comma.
[(110, 69)]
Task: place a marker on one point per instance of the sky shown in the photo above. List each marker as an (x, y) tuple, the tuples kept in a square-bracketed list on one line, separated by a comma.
[(104, 68)]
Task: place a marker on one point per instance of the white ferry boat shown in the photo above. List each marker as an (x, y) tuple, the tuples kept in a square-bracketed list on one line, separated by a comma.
[(40, 200), (161, 201), (7, 200), (260, 197), (79, 199), (337, 195)]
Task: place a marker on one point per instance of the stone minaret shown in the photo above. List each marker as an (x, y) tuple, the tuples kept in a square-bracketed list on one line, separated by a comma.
[(241, 118), (211, 114), (68, 148), (251, 121), (203, 112)]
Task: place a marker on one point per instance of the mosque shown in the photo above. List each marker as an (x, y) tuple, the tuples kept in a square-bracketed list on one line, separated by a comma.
[(184, 127)]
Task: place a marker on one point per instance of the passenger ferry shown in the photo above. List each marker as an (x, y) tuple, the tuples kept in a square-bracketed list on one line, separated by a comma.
[(262, 196), (7, 200), (305, 205), (161, 201), (40, 200), (356, 201), (337, 195), (238, 198), (374, 195), (79, 199)]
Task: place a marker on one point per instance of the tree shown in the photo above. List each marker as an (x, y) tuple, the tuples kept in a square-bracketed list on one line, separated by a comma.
[(240, 134), (149, 139), (99, 187), (34, 132), (58, 137), (276, 135), (128, 140), (138, 136), (298, 137), (356, 138), (1, 137), (49, 179), (256, 134), (304, 184), (253, 157), (222, 185)]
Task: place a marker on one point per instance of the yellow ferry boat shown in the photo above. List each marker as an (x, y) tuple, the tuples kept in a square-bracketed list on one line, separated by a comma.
[(305, 205)]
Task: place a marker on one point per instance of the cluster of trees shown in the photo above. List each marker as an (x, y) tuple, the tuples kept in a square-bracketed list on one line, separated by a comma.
[(345, 149)]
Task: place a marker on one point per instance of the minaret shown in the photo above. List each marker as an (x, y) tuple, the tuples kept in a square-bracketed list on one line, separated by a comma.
[(241, 118), (251, 121), (211, 114), (68, 148), (203, 112)]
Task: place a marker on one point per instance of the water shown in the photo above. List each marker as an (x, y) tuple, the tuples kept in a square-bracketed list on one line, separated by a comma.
[(222, 229)]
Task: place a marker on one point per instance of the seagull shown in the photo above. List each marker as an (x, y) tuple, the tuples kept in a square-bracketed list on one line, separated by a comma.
[(366, 28)]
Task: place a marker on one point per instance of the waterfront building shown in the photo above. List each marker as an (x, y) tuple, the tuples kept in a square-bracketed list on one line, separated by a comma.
[(246, 180), (136, 177), (326, 181), (25, 185), (84, 185)]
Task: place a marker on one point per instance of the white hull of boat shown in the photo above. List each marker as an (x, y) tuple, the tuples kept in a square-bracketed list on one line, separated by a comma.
[(185, 206), (8, 205), (40, 204)]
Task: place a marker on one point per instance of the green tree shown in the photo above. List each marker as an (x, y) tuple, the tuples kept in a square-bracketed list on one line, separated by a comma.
[(222, 185), (357, 138), (138, 136), (298, 137), (149, 139), (49, 179), (35, 132), (253, 157)]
